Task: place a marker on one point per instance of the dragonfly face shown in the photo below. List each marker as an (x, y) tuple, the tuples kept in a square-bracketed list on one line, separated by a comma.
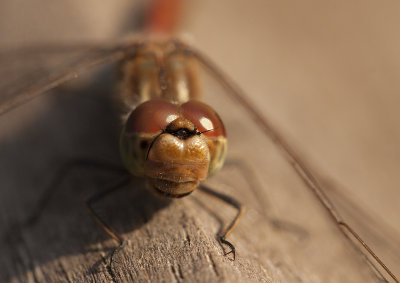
[(173, 146)]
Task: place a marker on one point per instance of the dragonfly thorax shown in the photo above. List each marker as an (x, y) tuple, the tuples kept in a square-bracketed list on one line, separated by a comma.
[(158, 69)]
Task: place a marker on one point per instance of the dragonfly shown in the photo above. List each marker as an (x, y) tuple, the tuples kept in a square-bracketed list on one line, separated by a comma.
[(253, 116)]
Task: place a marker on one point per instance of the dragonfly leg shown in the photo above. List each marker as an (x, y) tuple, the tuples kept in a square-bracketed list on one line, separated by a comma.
[(229, 228), (100, 195), (60, 175), (255, 185)]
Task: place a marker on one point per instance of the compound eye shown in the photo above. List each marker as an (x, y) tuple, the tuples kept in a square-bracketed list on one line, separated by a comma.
[(151, 117), (204, 118)]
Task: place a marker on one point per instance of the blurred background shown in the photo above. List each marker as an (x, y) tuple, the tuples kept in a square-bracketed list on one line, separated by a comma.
[(325, 72)]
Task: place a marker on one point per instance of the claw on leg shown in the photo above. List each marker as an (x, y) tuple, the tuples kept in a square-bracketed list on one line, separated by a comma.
[(231, 247), (224, 234)]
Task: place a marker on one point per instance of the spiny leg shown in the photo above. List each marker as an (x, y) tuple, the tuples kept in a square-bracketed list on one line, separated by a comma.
[(60, 175), (228, 229)]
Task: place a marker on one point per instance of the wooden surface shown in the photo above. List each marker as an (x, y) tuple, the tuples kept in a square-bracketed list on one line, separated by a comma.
[(174, 241)]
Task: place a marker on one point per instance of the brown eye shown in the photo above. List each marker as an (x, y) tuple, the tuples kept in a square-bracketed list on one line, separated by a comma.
[(204, 117), (151, 117)]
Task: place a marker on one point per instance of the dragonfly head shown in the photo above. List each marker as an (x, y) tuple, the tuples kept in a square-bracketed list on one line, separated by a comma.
[(174, 147)]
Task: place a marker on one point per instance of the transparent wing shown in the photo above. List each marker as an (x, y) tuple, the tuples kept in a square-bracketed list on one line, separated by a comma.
[(376, 231), (386, 246), (29, 72)]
